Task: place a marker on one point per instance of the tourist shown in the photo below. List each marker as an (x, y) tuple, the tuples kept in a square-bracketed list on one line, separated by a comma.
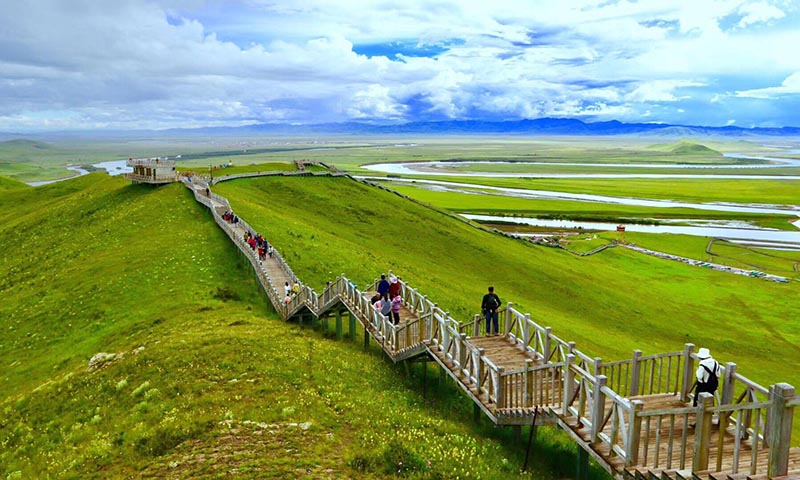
[(270, 251), (375, 298), (386, 308), (394, 286), (491, 302), (287, 289), (295, 288), (707, 374), (287, 299), (397, 302), (383, 287)]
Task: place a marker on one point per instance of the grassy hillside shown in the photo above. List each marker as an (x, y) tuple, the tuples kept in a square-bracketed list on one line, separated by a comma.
[(610, 304), (10, 184), (205, 381), (685, 147)]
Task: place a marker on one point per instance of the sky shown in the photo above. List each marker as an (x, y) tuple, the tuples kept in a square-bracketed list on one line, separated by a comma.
[(136, 64)]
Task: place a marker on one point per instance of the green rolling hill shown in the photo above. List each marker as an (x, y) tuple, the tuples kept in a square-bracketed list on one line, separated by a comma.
[(205, 380)]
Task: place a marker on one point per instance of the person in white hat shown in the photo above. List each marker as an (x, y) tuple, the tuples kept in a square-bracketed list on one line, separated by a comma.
[(707, 374)]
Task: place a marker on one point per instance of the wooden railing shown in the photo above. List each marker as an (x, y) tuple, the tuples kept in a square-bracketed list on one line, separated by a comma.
[(591, 394), (646, 375), (150, 178)]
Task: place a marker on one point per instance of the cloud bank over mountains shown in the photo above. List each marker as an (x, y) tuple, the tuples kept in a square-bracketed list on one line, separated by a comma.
[(161, 64)]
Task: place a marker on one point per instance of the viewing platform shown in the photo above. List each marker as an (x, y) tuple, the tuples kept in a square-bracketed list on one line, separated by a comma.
[(151, 170)]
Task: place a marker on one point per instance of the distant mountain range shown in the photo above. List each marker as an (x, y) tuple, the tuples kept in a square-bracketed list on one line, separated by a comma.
[(540, 126)]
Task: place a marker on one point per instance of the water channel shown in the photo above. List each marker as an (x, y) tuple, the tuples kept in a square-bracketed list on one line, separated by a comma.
[(446, 169), (761, 237)]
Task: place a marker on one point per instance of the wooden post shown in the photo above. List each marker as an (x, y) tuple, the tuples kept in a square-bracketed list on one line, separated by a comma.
[(688, 372), (728, 385), (547, 345), (479, 371), (526, 332), (635, 367), (780, 430), (338, 325), (582, 464), (507, 327), (569, 384), (498, 387), (425, 378), (517, 433), (352, 325), (702, 432), (598, 405), (634, 433), (476, 326), (527, 384), (366, 339), (462, 352), (596, 366), (476, 413)]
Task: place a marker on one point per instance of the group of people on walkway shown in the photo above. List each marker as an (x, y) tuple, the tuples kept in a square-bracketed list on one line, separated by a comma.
[(290, 291), (259, 243), (230, 218), (388, 299)]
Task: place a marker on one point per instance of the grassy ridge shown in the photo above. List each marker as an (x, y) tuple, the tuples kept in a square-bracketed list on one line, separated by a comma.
[(210, 382), (11, 184), (610, 303)]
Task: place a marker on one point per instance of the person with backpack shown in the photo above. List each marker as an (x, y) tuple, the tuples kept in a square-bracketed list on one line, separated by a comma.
[(491, 302), (707, 374)]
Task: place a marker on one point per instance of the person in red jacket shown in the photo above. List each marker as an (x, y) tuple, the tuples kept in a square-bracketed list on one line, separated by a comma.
[(394, 286)]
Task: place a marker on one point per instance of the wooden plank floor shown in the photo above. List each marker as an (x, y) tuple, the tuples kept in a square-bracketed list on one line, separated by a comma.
[(503, 352)]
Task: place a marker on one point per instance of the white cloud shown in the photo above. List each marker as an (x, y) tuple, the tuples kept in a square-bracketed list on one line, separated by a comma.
[(660, 90), (192, 62), (759, 12), (374, 102), (790, 86)]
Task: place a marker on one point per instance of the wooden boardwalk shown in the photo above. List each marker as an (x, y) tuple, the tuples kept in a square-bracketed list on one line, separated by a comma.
[(633, 416)]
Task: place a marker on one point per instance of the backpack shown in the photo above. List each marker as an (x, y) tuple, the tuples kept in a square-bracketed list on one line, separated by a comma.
[(713, 382), (492, 302)]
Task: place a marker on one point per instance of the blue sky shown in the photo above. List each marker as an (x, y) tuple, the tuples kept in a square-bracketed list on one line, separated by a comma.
[(135, 64)]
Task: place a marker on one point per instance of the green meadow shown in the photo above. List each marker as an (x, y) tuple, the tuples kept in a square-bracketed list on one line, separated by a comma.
[(610, 304), (205, 379)]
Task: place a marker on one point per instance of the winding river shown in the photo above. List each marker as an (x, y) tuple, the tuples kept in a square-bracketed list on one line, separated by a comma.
[(767, 238), (440, 168)]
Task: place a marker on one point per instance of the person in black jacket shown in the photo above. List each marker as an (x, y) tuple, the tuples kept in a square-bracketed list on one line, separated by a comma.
[(491, 302)]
